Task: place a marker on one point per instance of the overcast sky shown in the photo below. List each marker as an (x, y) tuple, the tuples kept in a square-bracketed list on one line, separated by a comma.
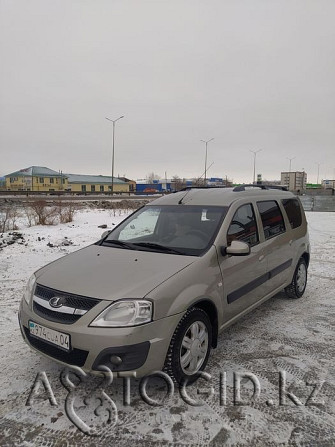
[(252, 74)]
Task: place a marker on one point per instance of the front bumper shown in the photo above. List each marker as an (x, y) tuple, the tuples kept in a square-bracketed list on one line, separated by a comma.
[(141, 349)]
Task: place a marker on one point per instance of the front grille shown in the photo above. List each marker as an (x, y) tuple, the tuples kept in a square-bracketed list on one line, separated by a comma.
[(81, 303), (75, 357), (76, 301), (57, 317)]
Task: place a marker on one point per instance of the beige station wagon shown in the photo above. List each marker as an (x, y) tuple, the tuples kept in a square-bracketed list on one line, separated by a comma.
[(155, 292)]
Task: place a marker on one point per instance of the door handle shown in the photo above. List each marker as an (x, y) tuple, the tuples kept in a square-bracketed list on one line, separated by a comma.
[(261, 258)]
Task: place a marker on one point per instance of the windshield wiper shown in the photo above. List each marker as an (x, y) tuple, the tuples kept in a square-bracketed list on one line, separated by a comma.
[(159, 247), (120, 243)]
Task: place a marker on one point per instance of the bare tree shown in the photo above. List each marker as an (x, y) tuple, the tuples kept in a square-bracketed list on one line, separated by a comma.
[(8, 219), (29, 214), (178, 183), (14, 214), (65, 211), (45, 215), (4, 219), (68, 213), (152, 176)]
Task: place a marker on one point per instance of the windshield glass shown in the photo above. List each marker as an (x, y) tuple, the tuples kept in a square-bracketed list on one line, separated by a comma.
[(177, 229)]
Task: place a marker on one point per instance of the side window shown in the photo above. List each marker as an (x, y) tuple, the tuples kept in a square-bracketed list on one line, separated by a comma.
[(293, 212), (243, 226), (272, 219)]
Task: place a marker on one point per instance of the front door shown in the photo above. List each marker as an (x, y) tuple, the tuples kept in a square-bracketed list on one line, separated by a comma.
[(244, 277)]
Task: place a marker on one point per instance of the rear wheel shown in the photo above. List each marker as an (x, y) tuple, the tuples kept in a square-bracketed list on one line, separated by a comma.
[(298, 285), (190, 347)]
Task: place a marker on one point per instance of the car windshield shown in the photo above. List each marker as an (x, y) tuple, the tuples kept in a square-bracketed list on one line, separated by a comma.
[(176, 229)]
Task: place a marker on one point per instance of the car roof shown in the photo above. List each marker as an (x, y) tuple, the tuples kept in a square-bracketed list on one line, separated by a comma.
[(220, 196)]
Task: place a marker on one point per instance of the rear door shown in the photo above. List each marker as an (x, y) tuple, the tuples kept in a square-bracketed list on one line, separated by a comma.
[(243, 276), (277, 244)]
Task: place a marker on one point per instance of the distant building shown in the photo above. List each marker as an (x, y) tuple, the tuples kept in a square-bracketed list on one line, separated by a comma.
[(40, 178), (272, 182), (95, 183), (215, 181), (143, 186), (328, 184), (131, 183), (294, 181), (2, 183), (36, 178)]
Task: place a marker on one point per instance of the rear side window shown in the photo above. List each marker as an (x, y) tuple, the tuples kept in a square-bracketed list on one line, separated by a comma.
[(243, 226), (272, 219), (293, 212)]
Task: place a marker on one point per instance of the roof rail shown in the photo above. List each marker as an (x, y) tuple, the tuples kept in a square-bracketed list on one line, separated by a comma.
[(282, 188), (242, 187), (187, 188)]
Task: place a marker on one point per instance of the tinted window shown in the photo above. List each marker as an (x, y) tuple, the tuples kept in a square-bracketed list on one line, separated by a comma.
[(293, 212), (272, 218), (243, 226)]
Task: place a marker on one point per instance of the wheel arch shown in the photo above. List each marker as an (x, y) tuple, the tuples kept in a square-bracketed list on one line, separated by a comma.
[(210, 308), (306, 257)]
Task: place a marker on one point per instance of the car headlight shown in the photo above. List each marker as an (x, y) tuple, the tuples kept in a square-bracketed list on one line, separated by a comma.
[(125, 313), (29, 289)]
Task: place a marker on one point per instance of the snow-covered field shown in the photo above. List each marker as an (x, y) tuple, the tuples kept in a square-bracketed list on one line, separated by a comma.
[(295, 336)]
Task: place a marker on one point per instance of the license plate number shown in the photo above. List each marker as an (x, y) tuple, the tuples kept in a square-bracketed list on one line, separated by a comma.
[(50, 335)]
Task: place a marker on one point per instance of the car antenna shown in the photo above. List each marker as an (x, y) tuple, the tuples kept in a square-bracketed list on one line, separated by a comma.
[(181, 200)]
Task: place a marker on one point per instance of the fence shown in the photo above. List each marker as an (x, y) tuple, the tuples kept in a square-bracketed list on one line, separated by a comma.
[(318, 203)]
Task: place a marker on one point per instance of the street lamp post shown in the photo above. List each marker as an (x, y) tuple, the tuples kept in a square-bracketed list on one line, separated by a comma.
[(317, 179), (255, 153), (289, 172), (206, 142), (113, 121)]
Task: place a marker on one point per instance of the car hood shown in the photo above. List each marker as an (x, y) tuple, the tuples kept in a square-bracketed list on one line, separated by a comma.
[(111, 273)]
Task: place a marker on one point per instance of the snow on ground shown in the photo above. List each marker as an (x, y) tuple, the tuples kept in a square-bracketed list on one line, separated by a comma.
[(296, 336)]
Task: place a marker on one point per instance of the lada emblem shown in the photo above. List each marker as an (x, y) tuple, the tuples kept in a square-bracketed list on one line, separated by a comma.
[(56, 301)]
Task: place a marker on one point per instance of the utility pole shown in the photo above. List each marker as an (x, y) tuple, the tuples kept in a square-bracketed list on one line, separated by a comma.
[(113, 121), (255, 153), (317, 179), (206, 142)]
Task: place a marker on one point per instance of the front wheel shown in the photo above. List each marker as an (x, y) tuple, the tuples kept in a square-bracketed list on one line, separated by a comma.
[(298, 285), (190, 347)]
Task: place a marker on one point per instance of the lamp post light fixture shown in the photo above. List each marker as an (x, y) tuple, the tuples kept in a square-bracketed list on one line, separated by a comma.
[(255, 153), (206, 142), (290, 162), (113, 121)]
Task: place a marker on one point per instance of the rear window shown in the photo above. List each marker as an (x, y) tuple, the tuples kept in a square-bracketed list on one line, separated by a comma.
[(293, 211), (272, 219)]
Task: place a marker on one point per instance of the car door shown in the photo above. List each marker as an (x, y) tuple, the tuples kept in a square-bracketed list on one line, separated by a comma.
[(243, 276), (278, 244)]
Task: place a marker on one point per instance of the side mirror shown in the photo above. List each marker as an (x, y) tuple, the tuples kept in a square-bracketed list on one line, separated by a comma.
[(105, 233), (237, 248)]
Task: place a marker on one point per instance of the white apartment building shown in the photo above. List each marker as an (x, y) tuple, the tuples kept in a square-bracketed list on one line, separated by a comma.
[(295, 181), (328, 184)]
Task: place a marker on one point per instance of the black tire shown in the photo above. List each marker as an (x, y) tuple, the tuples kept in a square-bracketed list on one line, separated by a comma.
[(173, 365), (298, 285)]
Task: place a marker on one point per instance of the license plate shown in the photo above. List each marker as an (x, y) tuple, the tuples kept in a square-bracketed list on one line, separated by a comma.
[(50, 335)]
